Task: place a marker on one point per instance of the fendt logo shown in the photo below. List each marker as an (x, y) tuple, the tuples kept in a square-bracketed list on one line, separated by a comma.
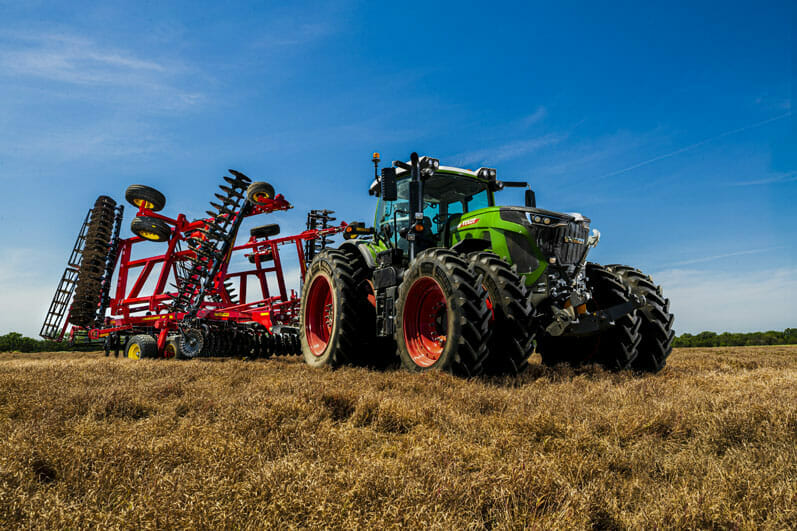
[(468, 222)]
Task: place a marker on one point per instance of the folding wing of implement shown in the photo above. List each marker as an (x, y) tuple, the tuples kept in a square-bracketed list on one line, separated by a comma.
[(186, 301)]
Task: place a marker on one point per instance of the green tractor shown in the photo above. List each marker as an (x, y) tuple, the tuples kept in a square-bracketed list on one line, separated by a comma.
[(451, 281)]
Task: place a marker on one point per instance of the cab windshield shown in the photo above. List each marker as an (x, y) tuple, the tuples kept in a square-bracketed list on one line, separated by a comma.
[(445, 198)]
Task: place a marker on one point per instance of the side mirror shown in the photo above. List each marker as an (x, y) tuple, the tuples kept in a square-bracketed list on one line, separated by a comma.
[(388, 184), (531, 199)]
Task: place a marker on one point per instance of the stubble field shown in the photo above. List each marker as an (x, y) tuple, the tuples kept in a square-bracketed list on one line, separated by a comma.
[(90, 441)]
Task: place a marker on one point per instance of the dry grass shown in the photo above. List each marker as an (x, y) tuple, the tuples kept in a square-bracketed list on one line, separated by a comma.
[(88, 441)]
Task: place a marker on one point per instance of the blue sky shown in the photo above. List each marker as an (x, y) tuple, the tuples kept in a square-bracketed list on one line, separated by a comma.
[(671, 126)]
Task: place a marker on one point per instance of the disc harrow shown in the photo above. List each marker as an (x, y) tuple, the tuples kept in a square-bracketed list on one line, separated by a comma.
[(96, 252)]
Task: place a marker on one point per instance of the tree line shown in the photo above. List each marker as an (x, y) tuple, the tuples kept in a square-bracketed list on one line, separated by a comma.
[(735, 339), (16, 342)]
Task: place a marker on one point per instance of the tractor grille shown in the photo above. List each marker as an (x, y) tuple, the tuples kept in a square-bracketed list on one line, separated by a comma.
[(566, 242)]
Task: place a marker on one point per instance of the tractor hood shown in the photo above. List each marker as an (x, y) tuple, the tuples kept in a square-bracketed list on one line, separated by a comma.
[(531, 238), (528, 216)]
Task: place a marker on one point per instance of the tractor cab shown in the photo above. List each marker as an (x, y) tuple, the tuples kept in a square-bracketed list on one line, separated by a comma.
[(448, 193)]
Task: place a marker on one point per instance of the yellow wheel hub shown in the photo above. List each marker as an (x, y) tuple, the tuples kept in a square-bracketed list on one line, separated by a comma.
[(149, 235), (169, 351), (134, 352), (259, 197), (143, 202)]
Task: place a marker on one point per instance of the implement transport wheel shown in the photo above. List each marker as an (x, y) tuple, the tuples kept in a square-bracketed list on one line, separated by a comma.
[(337, 322), (259, 192), (265, 231), (442, 317), (614, 348), (152, 229), (141, 346), (139, 195), (656, 329), (511, 320)]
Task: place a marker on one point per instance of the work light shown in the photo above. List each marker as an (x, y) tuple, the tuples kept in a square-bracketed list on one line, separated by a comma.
[(487, 173)]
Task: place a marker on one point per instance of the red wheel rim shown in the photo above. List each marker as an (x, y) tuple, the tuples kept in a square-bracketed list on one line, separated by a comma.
[(425, 322), (319, 313)]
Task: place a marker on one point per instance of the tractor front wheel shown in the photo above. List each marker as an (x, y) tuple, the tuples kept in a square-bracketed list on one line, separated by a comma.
[(656, 330), (442, 317), (512, 340)]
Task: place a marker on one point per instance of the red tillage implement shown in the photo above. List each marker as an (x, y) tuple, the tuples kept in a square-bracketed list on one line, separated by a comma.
[(193, 309)]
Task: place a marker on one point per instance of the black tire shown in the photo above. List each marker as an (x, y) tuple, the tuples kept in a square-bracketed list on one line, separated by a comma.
[(265, 231), (258, 192), (615, 348), (96, 248), (442, 318), (138, 195), (152, 229), (656, 329), (141, 346), (263, 258), (512, 339), (333, 327), (375, 352)]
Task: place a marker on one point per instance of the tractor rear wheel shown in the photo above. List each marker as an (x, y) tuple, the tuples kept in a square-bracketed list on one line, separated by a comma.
[(337, 325), (614, 348), (141, 346), (442, 318), (512, 340), (656, 330)]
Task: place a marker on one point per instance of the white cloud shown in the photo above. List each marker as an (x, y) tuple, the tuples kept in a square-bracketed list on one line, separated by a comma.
[(510, 150), (777, 179), (65, 59), (740, 301), (725, 255), (696, 145), (538, 115)]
